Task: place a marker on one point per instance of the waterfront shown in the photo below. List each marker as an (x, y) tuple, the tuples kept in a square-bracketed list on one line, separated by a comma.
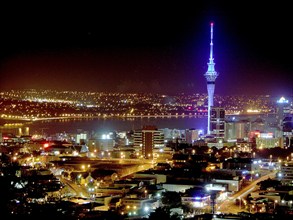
[(114, 124), (127, 124)]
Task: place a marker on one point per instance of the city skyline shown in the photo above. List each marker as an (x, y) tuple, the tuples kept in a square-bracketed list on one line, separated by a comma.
[(147, 48)]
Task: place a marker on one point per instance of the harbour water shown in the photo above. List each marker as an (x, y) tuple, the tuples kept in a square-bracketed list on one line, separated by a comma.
[(114, 124), (102, 125)]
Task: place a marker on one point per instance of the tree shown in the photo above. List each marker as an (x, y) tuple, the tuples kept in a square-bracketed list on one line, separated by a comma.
[(269, 183), (5, 194), (171, 199), (163, 214)]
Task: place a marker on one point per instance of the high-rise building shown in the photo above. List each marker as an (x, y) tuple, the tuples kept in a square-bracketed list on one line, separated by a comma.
[(284, 119), (217, 122), (211, 76), (191, 135), (283, 111), (237, 130), (147, 140)]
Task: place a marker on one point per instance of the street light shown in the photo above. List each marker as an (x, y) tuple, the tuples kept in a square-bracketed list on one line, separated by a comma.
[(275, 202), (213, 198), (239, 202)]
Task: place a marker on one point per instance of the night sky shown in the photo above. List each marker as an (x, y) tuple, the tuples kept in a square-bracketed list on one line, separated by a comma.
[(147, 46)]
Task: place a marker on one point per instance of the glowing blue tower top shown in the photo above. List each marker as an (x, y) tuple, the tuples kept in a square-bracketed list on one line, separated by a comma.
[(211, 76)]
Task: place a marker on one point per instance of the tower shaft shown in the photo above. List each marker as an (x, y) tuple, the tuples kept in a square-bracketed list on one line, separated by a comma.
[(211, 76)]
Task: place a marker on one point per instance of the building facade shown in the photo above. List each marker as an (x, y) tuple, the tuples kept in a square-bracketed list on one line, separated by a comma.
[(217, 122), (286, 173), (147, 140)]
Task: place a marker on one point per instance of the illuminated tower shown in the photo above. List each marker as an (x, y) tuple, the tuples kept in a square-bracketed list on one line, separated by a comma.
[(211, 76)]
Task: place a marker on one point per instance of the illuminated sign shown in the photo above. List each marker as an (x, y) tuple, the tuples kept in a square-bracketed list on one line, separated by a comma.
[(282, 100)]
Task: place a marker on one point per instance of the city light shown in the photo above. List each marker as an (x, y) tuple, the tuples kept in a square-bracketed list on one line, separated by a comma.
[(282, 100), (130, 150)]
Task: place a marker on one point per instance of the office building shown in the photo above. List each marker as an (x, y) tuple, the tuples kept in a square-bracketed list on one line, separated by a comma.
[(147, 140), (217, 122)]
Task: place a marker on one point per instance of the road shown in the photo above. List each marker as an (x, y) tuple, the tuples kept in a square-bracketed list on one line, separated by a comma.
[(124, 167), (74, 189), (229, 205)]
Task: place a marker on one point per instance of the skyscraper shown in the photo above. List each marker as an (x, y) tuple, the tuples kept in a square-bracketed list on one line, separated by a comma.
[(211, 76), (217, 122), (284, 119)]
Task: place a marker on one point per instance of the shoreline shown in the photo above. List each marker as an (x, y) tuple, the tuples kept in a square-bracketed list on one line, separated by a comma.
[(132, 116), (10, 122)]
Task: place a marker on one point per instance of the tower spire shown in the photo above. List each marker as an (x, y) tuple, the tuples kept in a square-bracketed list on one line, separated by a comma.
[(211, 44), (211, 76)]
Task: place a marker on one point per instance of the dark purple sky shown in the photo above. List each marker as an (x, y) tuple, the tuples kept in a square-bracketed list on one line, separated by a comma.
[(147, 47)]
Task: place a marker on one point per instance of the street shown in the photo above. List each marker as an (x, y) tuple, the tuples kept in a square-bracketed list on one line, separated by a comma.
[(229, 205)]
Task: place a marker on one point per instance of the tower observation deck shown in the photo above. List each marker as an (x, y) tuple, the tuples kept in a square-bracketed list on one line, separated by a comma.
[(211, 76)]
